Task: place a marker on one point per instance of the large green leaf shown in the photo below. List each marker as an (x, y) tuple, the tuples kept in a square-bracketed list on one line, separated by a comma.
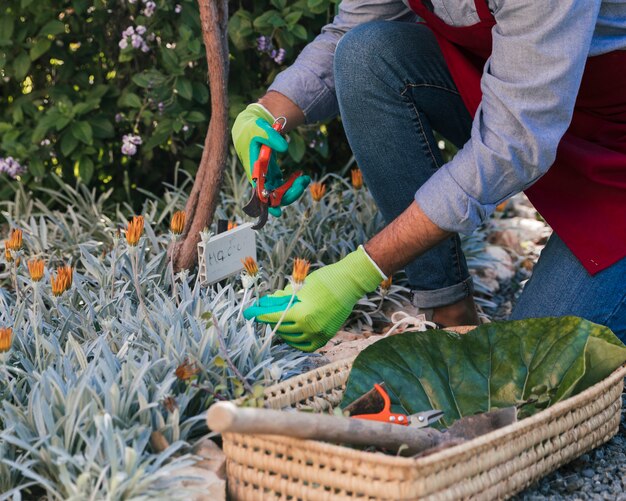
[(494, 366), (40, 48)]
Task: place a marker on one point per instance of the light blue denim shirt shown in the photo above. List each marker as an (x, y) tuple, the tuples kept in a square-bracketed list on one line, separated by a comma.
[(529, 89)]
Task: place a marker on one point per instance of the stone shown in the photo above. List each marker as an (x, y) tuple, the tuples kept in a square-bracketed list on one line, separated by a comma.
[(201, 484), (588, 473), (573, 483), (508, 238), (500, 267), (213, 458)]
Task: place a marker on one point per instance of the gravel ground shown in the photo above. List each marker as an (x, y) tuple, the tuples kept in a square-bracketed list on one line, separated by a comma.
[(597, 475)]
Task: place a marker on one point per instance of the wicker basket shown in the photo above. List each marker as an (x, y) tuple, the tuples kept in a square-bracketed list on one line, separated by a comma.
[(495, 465)]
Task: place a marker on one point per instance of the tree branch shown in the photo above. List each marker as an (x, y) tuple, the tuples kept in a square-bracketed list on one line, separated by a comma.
[(202, 201)]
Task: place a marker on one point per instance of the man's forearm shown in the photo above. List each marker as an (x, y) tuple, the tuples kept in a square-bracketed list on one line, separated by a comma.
[(281, 106), (409, 235)]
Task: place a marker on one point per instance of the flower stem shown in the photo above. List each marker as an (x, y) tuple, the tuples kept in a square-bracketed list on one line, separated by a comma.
[(243, 302), (15, 283), (135, 265), (113, 264), (36, 326)]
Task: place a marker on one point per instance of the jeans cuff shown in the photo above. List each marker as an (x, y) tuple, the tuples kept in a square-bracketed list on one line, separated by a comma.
[(443, 297)]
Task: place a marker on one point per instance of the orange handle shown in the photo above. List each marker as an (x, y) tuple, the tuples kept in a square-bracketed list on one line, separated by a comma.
[(259, 171), (385, 416)]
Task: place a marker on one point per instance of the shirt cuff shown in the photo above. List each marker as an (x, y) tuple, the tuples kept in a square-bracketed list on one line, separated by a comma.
[(311, 95), (449, 206)]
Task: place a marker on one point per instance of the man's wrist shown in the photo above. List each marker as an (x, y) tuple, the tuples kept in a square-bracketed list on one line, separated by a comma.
[(408, 236), (280, 105)]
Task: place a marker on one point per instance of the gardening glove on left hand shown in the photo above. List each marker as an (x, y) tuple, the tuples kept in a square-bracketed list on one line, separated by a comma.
[(323, 304), (252, 129)]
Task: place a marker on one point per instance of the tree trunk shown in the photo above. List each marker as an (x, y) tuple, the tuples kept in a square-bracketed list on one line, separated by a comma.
[(204, 194)]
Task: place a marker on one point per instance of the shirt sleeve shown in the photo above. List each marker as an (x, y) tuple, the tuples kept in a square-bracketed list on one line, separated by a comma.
[(529, 87), (309, 81)]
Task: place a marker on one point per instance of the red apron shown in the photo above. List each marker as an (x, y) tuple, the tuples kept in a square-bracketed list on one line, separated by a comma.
[(583, 195)]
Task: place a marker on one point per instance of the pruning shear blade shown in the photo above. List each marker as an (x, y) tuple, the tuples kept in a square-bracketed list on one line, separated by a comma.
[(423, 419)]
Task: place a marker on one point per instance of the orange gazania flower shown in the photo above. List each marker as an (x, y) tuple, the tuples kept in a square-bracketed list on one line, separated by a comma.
[(62, 281), (7, 252), (15, 240), (177, 225), (300, 270), (385, 285), (35, 268), (231, 225), (134, 230), (357, 178), (317, 191), (6, 338), (251, 266), (186, 370)]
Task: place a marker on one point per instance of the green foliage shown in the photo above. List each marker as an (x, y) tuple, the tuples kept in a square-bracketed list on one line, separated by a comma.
[(494, 366), (70, 92)]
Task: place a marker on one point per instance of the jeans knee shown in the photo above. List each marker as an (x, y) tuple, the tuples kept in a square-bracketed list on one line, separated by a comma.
[(357, 55)]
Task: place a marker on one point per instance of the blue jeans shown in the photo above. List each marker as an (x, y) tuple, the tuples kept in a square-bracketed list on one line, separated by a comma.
[(394, 89)]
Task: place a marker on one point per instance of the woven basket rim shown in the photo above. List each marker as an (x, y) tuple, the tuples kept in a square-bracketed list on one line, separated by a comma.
[(514, 429)]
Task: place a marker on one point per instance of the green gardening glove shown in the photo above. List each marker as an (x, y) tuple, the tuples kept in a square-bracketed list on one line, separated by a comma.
[(322, 305), (252, 129)]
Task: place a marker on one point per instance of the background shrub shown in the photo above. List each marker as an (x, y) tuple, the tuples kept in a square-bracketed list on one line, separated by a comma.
[(114, 92)]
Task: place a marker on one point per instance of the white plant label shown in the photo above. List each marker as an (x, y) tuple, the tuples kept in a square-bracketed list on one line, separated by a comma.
[(221, 255)]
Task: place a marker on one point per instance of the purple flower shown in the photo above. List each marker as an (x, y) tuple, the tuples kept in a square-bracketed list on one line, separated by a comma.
[(178, 8), (45, 142), (119, 117), (136, 41), (263, 43), (161, 106), (185, 128), (273, 53), (149, 9), (279, 58), (129, 149), (132, 138), (133, 37), (130, 143), (151, 37), (11, 167)]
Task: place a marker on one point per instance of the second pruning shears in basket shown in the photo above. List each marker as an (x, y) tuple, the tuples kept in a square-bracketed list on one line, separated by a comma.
[(264, 197), (374, 397)]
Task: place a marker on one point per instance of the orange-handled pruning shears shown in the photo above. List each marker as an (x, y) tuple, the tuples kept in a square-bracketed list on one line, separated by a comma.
[(419, 420), (262, 198)]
